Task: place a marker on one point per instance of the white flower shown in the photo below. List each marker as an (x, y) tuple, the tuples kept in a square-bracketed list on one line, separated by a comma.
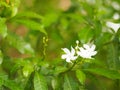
[(87, 51), (114, 26), (116, 16), (70, 55)]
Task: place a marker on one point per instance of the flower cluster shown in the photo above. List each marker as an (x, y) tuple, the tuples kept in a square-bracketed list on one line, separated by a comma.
[(87, 51)]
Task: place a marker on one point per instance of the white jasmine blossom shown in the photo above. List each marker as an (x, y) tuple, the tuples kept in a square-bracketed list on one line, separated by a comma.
[(114, 26), (87, 51), (116, 16), (69, 55)]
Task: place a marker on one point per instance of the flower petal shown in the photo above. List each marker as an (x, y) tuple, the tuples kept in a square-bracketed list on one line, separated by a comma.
[(86, 46), (64, 56), (93, 47), (68, 60), (72, 50), (81, 49), (74, 58), (66, 50), (87, 51), (94, 53)]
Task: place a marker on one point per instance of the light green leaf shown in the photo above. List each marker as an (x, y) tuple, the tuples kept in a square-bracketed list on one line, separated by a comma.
[(2, 3), (12, 85), (8, 83), (39, 82), (81, 76), (50, 19), (14, 11), (19, 43), (16, 3), (86, 34), (3, 77), (3, 28), (112, 74), (32, 25), (27, 70), (28, 14)]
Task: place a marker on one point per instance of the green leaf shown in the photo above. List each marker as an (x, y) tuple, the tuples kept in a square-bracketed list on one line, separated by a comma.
[(27, 70), (32, 25), (16, 2), (50, 19), (29, 85), (56, 83), (28, 14), (8, 83), (113, 54), (76, 17), (59, 69), (86, 34), (12, 85), (95, 80), (98, 28), (39, 82), (3, 27), (81, 76), (103, 38), (14, 11), (19, 43), (69, 83), (2, 3), (3, 77), (1, 57), (112, 74)]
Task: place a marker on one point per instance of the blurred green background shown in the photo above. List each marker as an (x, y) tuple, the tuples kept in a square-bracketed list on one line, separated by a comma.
[(62, 22)]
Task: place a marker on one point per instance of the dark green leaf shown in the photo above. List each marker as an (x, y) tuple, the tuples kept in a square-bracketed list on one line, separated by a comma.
[(113, 54), (98, 28), (1, 57), (76, 17), (59, 69), (69, 83), (103, 38), (112, 74), (57, 82)]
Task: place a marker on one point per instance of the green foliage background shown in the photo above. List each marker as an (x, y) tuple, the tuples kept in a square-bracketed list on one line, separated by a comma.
[(32, 33)]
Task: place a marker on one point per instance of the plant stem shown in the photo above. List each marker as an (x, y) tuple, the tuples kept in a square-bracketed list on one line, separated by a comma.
[(69, 68)]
